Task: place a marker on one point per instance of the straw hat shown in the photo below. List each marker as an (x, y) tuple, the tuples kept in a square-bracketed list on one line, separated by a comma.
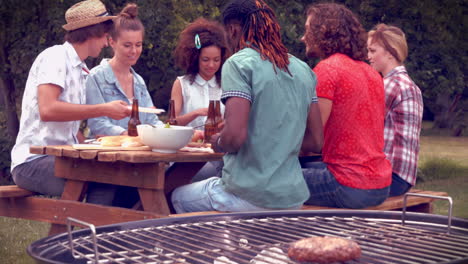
[(86, 13)]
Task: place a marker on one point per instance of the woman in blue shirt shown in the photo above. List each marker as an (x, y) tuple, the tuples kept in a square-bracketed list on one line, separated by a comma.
[(115, 79)]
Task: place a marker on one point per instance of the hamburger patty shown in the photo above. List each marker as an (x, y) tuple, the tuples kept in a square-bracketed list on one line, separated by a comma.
[(324, 249)]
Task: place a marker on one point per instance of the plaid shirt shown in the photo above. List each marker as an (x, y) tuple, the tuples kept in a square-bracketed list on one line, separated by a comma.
[(404, 109)]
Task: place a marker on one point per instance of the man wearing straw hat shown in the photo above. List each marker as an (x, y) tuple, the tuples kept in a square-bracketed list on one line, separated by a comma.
[(54, 97)]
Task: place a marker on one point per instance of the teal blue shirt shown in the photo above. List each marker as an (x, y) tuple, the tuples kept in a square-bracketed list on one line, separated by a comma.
[(266, 171)]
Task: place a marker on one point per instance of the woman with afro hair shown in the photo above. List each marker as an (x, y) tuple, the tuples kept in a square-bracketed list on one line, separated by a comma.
[(200, 52)]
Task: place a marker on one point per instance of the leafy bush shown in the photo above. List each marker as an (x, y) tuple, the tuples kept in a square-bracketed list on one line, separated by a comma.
[(6, 143)]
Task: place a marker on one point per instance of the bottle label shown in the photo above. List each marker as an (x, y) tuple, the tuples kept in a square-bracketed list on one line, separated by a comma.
[(210, 130), (132, 131)]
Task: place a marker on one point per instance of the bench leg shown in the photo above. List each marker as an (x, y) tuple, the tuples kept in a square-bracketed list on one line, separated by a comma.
[(180, 173), (154, 201), (74, 191)]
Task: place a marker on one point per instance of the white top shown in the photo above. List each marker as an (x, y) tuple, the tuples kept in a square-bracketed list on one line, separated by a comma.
[(59, 65), (198, 95)]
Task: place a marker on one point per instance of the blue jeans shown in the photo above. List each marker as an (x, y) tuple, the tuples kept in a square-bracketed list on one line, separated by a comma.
[(38, 176), (209, 195), (211, 168), (399, 186), (325, 190)]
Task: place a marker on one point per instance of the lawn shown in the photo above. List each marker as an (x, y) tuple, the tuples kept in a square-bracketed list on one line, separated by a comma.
[(16, 235), (443, 167)]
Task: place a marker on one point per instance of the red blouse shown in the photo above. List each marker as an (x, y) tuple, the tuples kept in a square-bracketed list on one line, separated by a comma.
[(353, 134)]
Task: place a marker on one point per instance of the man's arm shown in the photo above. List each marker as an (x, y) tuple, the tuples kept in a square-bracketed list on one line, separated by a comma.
[(236, 119), (313, 136), (52, 109)]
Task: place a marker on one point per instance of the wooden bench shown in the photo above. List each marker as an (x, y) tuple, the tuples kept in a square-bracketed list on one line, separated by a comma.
[(413, 204), (20, 203), (13, 191)]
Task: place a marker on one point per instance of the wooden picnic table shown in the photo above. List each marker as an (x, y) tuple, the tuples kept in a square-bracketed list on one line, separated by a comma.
[(145, 170)]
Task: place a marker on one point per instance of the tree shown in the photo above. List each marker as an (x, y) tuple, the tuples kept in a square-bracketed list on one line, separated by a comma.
[(27, 28), (437, 51), (30, 27)]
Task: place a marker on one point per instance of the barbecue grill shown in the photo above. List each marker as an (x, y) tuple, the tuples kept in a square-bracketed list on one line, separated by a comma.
[(260, 237)]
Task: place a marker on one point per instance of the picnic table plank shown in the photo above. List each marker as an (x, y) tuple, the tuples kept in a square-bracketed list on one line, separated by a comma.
[(55, 150), (70, 152), (88, 154), (37, 149), (133, 175), (150, 156)]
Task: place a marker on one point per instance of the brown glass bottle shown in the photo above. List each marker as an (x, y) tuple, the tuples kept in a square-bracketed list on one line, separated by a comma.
[(218, 115), (134, 120), (171, 119), (210, 123)]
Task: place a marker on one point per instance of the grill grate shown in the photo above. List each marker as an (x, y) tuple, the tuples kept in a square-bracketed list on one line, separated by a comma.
[(266, 240)]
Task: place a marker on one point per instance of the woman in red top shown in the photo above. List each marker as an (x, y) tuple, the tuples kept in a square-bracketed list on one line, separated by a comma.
[(354, 172)]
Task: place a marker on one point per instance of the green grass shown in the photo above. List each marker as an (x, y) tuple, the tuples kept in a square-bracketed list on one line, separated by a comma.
[(441, 169), (16, 235), (439, 147), (456, 188), (443, 166)]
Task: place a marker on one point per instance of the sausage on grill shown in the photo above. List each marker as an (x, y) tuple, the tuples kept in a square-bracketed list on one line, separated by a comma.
[(324, 249)]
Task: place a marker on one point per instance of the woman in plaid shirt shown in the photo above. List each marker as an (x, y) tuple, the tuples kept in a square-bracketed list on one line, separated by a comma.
[(387, 50)]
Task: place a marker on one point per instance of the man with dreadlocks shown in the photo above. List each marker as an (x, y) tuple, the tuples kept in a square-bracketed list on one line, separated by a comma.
[(271, 106)]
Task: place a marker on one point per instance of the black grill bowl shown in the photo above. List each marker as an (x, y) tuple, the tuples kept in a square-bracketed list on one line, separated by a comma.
[(241, 237)]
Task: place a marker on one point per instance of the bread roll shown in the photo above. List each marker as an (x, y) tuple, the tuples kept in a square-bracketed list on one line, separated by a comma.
[(120, 141), (131, 142)]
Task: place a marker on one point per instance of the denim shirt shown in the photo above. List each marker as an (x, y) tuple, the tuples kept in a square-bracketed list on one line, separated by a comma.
[(102, 86)]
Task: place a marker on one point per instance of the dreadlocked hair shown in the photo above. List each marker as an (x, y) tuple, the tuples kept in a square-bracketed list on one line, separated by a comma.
[(261, 30)]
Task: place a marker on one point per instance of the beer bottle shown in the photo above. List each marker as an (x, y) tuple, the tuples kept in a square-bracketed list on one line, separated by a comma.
[(218, 115), (134, 119), (172, 117), (210, 123)]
